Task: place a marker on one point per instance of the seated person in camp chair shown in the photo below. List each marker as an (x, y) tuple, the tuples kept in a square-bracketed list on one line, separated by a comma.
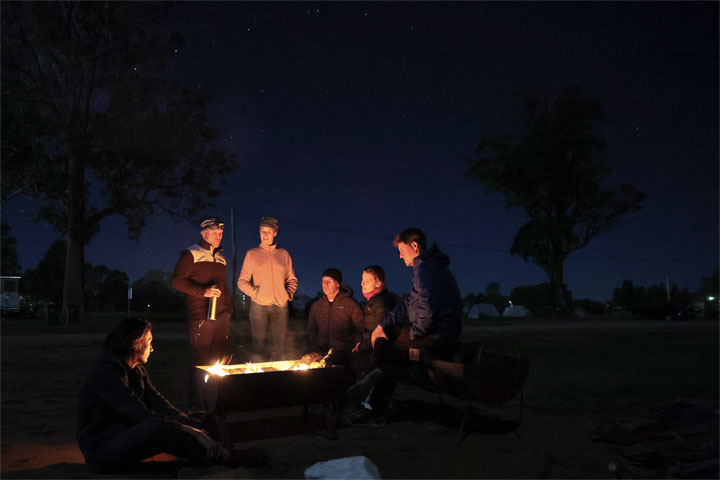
[(425, 324)]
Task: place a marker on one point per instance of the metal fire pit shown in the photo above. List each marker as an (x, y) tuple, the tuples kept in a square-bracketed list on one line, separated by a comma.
[(252, 386)]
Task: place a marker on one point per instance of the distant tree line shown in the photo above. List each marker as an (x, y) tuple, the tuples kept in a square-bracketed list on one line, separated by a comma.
[(656, 302), (638, 301), (106, 290)]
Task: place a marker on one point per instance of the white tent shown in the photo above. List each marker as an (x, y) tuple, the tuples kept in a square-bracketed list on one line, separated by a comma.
[(483, 310), (516, 311)]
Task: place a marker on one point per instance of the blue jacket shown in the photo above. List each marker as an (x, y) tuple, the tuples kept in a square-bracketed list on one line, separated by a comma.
[(434, 305)]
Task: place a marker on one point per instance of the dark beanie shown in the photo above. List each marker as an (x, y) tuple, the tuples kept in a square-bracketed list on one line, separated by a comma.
[(333, 273)]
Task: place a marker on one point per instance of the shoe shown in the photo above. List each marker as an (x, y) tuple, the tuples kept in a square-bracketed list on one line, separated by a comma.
[(250, 457), (349, 413), (368, 419), (359, 391)]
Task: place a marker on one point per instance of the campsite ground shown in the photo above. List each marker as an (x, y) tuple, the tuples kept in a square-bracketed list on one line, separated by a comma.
[(585, 375)]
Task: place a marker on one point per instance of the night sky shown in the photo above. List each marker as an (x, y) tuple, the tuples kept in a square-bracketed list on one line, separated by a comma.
[(352, 121)]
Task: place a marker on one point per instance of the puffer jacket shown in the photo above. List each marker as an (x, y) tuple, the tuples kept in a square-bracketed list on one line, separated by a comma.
[(374, 311), (434, 305), (335, 324)]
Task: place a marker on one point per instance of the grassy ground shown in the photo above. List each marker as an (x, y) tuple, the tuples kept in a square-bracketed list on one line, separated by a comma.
[(586, 369), (610, 367)]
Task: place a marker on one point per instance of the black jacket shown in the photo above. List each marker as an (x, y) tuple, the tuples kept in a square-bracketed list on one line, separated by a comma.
[(334, 324), (114, 397), (375, 309)]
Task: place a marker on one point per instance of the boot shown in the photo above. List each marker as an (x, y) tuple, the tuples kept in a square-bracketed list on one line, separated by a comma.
[(358, 392)]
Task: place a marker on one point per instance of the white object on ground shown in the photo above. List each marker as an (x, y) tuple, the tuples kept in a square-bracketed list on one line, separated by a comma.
[(344, 468)]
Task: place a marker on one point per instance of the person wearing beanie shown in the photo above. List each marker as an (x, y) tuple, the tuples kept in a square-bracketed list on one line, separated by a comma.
[(335, 319), (267, 277), (200, 275)]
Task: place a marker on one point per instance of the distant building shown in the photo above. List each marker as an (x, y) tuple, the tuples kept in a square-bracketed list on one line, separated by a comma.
[(10, 298)]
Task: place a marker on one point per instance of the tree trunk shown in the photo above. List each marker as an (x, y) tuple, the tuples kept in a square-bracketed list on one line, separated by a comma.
[(74, 282), (558, 283)]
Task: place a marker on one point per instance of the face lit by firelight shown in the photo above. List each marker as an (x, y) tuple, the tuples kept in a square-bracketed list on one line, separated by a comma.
[(408, 252), (369, 282), (144, 349), (330, 287), (213, 236), (267, 236)]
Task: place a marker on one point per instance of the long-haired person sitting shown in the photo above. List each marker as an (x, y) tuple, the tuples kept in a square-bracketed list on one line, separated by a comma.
[(122, 419)]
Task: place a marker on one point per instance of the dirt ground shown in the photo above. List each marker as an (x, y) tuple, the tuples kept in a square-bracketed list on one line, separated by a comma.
[(41, 375)]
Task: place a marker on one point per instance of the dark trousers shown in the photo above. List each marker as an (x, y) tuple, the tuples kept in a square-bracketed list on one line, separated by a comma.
[(143, 440), (208, 340), (260, 316), (392, 356)]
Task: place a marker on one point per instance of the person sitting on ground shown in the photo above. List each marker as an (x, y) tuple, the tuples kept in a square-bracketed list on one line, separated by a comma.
[(426, 323), (122, 419), (334, 319)]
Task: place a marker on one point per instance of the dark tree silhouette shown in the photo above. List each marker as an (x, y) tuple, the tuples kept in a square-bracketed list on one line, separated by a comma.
[(93, 125), (551, 168), (8, 260)]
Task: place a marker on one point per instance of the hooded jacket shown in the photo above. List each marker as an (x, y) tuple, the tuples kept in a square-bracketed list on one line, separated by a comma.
[(335, 324), (434, 305)]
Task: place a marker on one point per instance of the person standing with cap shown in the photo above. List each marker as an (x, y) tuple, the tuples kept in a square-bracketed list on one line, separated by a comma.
[(267, 277), (200, 273)]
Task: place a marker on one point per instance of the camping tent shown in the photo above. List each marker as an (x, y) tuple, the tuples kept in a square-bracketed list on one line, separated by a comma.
[(483, 310)]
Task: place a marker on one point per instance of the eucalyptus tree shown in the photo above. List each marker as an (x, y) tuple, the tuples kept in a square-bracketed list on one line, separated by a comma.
[(93, 125), (551, 168)]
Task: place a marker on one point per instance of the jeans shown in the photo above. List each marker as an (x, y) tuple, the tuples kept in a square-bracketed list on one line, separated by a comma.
[(260, 315), (208, 339), (143, 440), (391, 356)]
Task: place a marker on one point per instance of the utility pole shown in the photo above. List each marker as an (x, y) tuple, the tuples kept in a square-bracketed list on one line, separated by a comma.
[(234, 255)]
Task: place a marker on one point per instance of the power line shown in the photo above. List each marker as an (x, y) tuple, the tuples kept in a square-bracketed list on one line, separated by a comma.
[(488, 249)]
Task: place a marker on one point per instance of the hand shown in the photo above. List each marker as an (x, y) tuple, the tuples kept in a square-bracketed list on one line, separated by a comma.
[(356, 348), (202, 437), (377, 333), (213, 291)]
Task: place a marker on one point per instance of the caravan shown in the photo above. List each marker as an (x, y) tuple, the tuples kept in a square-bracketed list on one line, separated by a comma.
[(9, 294)]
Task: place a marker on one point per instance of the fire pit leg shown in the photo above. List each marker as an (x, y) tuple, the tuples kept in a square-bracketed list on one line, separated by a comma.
[(303, 415), (332, 416), (464, 427)]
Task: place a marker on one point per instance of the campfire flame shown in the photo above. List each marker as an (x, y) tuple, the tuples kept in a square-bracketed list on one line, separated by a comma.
[(286, 365)]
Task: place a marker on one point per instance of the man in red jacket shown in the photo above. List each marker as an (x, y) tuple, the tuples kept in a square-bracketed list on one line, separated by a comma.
[(200, 275)]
